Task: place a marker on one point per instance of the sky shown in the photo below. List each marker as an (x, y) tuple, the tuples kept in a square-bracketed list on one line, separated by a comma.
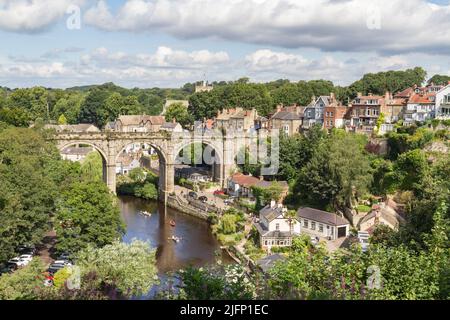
[(167, 43)]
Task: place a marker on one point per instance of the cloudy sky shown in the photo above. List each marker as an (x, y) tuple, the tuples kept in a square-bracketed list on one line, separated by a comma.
[(166, 43)]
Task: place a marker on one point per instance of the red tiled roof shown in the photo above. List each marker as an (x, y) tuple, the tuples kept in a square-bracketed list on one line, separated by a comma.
[(243, 180), (422, 99)]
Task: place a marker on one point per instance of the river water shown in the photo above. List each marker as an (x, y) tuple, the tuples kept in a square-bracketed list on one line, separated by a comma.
[(198, 247)]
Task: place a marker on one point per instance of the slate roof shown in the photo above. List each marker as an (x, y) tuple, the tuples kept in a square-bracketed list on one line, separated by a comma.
[(268, 262), (321, 216), (271, 213), (286, 115)]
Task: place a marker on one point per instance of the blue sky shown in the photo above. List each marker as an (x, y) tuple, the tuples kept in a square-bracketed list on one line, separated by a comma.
[(167, 43)]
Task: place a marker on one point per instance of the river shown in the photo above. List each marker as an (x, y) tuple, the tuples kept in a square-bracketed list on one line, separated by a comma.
[(198, 247)]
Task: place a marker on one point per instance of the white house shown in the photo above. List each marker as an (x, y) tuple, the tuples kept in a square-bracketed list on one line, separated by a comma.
[(443, 103), (322, 224), (275, 228), (420, 107), (76, 154)]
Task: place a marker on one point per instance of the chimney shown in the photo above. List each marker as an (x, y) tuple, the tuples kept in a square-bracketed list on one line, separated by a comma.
[(273, 204), (387, 96), (174, 120), (333, 96), (313, 99), (279, 107)]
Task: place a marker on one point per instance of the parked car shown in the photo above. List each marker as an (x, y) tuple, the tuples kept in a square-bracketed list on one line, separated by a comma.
[(63, 262), (28, 249), (18, 262), (193, 195), (219, 193), (64, 256), (54, 268), (203, 199), (26, 258)]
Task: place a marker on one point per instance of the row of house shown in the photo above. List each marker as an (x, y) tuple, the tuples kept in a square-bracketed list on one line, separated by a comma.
[(361, 115), (277, 228)]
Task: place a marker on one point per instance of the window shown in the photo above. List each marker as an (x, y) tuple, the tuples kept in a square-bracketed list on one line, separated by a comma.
[(447, 98), (321, 227), (313, 225), (286, 129), (305, 223), (277, 227), (331, 114)]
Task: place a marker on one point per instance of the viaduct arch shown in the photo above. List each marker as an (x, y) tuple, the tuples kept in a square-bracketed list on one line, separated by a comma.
[(167, 146)]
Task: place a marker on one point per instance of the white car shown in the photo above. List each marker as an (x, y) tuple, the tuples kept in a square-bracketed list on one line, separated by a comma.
[(26, 258), (18, 262), (63, 262)]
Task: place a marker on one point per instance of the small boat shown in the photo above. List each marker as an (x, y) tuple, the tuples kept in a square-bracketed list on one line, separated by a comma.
[(172, 223), (146, 213)]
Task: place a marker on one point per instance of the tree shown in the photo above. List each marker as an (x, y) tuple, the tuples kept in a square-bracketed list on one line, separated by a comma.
[(23, 284), (124, 269), (62, 120), (92, 167), (338, 173), (179, 113), (438, 79), (93, 109), (87, 215), (411, 167), (27, 192)]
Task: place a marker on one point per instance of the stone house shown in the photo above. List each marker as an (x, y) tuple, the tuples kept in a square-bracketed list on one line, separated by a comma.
[(139, 123), (288, 120), (237, 120)]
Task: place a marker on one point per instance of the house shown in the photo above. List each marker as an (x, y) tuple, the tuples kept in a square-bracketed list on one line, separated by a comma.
[(364, 112), (236, 120), (203, 87), (420, 107), (240, 185), (323, 224), (267, 263), (192, 173), (184, 103), (73, 128), (443, 103), (314, 112), (288, 120), (275, 227), (172, 127), (139, 123), (76, 154), (125, 164), (394, 106), (334, 114), (381, 214)]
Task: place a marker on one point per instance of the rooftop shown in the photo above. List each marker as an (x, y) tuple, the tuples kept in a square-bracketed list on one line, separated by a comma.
[(321, 216)]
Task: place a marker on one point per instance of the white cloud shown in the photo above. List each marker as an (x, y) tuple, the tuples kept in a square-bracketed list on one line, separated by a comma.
[(32, 15), (330, 25), (164, 57)]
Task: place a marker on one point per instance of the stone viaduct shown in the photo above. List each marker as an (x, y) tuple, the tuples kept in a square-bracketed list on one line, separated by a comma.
[(168, 146)]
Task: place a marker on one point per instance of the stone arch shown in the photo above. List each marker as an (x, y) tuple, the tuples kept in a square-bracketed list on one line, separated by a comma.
[(217, 166), (166, 170), (103, 154)]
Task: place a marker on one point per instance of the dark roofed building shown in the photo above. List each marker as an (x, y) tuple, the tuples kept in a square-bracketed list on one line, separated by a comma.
[(267, 263), (323, 224)]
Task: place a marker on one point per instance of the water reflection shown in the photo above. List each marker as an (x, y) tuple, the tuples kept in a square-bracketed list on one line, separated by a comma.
[(197, 247)]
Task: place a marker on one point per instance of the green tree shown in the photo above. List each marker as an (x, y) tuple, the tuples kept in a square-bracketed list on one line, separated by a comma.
[(87, 215), (24, 284), (338, 173), (62, 120), (124, 269), (27, 192), (179, 113)]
